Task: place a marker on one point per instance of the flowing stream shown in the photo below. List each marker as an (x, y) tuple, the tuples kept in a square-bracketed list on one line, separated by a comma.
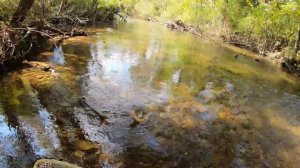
[(170, 98)]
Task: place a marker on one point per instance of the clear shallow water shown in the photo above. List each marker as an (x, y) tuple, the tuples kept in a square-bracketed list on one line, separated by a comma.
[(195, 103)]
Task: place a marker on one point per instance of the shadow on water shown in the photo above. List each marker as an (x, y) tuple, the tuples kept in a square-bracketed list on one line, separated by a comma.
[(227, 141)]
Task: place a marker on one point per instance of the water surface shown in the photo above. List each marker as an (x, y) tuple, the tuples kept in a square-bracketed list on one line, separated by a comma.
[(172, 100)]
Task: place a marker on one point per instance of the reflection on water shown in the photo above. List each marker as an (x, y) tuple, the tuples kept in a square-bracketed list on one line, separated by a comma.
[(8, 140), (48, 125), (172, 100), (58, 56), (27, 131)]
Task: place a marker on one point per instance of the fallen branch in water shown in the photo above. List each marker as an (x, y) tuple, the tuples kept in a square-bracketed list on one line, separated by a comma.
[(83, 103)]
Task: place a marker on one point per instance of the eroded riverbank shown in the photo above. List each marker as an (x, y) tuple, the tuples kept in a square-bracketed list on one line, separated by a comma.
[(171, 100)]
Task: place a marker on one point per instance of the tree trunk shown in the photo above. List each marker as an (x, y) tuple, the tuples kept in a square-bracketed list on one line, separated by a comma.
[(297, 42), (21, 12)]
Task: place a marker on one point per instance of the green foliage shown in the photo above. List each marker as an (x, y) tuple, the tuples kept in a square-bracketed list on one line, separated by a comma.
[(43, 9), (271, 20), (7, 8), (267, 21)]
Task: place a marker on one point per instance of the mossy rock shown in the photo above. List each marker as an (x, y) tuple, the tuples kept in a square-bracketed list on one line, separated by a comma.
[(52, 163), (86, 145), (79, 153)]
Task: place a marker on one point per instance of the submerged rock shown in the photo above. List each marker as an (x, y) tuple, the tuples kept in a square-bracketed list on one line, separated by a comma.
[(139, 115), (42, 66), (79, 153), (52, 163), (238, 163), (85, 145), (37, 64)]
